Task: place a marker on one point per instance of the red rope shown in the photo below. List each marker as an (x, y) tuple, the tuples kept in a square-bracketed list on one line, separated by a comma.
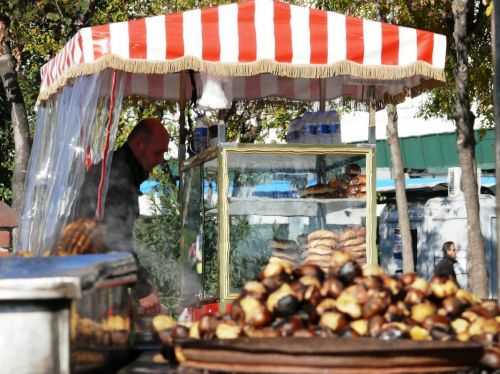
[(99, 210)]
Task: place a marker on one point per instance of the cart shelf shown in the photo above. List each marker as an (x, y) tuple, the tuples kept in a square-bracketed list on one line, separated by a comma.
[(289, 207)]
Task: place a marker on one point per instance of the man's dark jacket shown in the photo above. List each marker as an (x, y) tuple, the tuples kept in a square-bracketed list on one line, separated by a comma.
[(445, 268), (121, 207)]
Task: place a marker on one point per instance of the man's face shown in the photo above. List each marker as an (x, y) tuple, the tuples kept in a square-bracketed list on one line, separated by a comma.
[(152, 152), (452, 251)]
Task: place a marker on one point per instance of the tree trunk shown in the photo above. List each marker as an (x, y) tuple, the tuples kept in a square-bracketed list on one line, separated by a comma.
[(20, 128), (399, 180), (496, 45), (465, 145)]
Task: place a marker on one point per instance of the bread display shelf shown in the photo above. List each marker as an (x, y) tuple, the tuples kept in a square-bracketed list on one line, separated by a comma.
[(291, 207), (308, 355)]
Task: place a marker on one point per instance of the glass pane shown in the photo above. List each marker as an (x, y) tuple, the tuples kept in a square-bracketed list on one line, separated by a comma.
[(277, 200), (210, 231), (191, 234)]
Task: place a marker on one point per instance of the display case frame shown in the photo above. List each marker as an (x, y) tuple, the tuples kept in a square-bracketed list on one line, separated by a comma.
[(221, 154)]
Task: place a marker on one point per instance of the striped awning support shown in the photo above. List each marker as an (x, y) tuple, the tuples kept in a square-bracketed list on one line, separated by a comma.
[(273, 48)]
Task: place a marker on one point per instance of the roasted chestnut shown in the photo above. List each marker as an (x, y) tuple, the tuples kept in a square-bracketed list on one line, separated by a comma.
[(274, 282), (312, 295), (255, 289), (393, 285), (207, 326), (491, 357), (310, 270), (326, 305), (290, 326), (227, 330), (491, 307), (180, 332), (394, 314), (303, 333), (376, 304), (163, 322), (348, 304), (333, 320), (408, 278), (460, 325), (419, 284), (485, 312), (414, 296), (360, 326), (255, 312), (393, 331), (470, 316), (359, 292), (310, 280), (478, 327), (348, 272), (442, 287), (371, 270), (298, 289), (375, 325), (194, 331), (338, 259), (371, 283), (453, 306), (283, 302), (438, 321), (332, 287), (420, 312), (419, 333), (266, 332), (465, 296)]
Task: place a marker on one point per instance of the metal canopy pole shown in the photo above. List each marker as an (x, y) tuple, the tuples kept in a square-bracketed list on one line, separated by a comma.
[(496, 31), (182, 130), (372, 138), (322, 95)]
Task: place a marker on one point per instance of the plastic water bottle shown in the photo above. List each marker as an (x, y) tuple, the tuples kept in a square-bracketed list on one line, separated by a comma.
[(212, 134), (310, 128), (324, 128), (291, 135), (200, 136), (299, 130), (334, 121), (221, 132)]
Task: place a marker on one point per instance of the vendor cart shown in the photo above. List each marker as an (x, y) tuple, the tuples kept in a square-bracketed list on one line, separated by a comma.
[(224, 197), (255, 49)]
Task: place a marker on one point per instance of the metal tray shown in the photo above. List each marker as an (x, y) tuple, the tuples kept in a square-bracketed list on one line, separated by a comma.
[(313, 355)]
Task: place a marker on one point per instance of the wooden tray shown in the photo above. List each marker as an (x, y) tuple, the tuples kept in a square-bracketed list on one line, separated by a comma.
[(317, 355)]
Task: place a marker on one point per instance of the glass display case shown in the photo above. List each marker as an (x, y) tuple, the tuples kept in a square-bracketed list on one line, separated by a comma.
[(245, 204)]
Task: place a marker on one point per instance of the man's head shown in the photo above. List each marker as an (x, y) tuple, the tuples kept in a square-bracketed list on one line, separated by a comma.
[(449, 249), (148, 142)]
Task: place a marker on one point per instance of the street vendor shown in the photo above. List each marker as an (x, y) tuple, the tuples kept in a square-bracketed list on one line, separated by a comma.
[(131, 165)]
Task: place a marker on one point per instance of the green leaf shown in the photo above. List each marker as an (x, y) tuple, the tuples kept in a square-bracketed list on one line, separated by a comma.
[(84, 5), (51, 16)]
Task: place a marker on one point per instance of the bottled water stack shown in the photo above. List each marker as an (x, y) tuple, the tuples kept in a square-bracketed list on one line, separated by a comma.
[(315, 128)]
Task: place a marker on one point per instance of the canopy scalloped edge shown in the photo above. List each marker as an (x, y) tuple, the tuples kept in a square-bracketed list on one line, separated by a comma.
[(347, 68)]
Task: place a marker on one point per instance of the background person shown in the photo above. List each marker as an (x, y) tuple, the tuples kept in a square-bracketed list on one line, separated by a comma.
[(446, 267)]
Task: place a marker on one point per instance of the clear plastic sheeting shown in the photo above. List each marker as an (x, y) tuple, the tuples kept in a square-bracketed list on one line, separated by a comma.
[(70, 137)]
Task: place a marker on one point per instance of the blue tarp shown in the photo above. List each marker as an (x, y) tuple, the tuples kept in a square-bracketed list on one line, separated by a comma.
[(281, 188)]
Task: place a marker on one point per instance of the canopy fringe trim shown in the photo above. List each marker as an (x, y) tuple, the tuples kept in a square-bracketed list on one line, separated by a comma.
[(377, 74)]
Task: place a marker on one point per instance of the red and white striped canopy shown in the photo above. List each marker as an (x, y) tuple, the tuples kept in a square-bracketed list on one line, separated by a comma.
[(271, 48)]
